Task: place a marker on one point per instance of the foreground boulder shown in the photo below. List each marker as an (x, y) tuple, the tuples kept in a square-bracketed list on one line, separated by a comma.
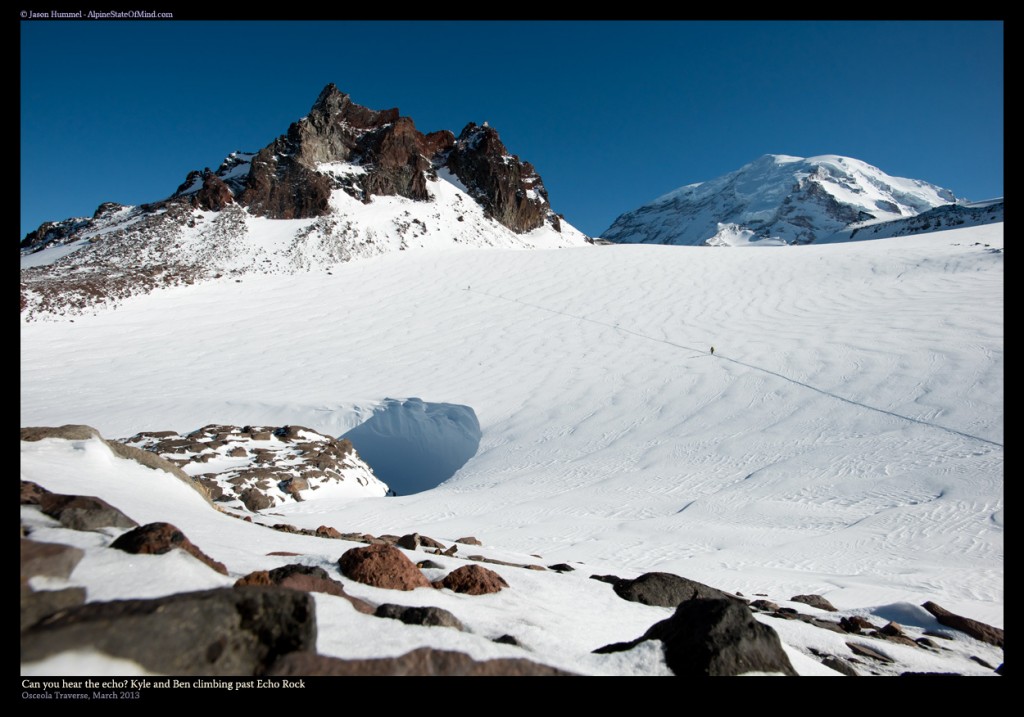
[(37, 604), (159, 538), (424, 661), (227, 631), (977, 630), (383, 566), (473, 580), (665, 590), (714, 637), (50, 559)]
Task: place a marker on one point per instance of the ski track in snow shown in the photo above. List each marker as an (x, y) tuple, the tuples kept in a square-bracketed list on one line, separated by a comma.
[(721, 357), (872, 472)]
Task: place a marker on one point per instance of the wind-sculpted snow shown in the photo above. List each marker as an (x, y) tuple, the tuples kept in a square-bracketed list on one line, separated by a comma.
[(845, 438)]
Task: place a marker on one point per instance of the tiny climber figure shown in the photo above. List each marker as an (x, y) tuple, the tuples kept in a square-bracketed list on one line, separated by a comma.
[(712, 350)]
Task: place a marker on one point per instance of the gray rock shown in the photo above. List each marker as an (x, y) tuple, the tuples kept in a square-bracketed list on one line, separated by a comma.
[(666, 590), (84, 512), (840, 665), (867, 651), (424, 661), (50, 559), (429, 616), (37, 604), (814, 601), (69, 432), (977, 630), (227, 631), (717, 636)]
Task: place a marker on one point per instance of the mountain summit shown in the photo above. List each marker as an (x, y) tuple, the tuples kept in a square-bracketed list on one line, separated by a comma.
[(778, 199), (343, 182)]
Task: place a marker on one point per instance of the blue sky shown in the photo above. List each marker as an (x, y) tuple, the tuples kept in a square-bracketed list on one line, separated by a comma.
[(612, 114)]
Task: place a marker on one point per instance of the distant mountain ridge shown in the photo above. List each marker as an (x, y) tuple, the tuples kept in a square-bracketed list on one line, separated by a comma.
[(779, 199), (343, 182)]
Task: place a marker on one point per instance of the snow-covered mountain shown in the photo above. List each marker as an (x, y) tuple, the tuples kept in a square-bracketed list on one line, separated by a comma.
[(778, 199), (343, 182)]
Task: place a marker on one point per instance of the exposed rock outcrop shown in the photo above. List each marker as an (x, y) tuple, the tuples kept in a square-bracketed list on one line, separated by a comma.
[(510, 190), (428, 616), (424, 661), (974, 628), (227, 631), (282, 463), (709, 637)]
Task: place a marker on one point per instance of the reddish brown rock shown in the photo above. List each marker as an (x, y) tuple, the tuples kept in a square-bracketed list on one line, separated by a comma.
[(214, 195), (326, 531), (814, 601), (868, 651), (35, 605), (32, 493), (509, 190), (855, 624), (424, 661), (254, 500), (473, 580), (69, 432), (714, 637), (469, 541), (383, 566), (977, 630), (159, 538), (428, 542), (257, 577)]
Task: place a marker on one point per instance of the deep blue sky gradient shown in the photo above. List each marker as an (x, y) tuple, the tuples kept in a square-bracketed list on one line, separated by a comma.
[(612, 114)]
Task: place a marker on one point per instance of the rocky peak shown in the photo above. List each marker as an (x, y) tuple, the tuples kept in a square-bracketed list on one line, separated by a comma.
[(397, 159), (338, 145), (510, 189)]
